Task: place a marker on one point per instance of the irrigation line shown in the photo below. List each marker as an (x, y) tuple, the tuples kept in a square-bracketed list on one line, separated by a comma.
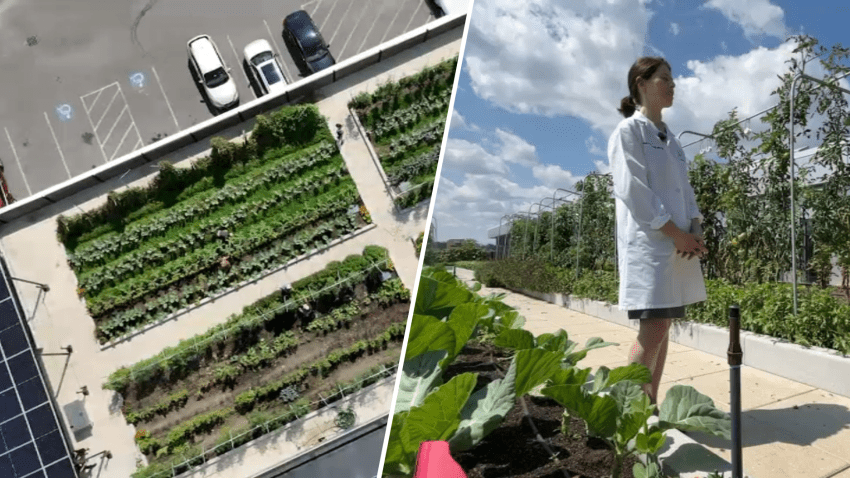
[(262, 315), (230, 442)]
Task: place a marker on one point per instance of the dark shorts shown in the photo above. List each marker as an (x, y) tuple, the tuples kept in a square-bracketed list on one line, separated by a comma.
[(665, 313)]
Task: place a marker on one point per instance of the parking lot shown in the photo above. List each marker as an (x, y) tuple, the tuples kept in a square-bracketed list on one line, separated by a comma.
[(88, 81)]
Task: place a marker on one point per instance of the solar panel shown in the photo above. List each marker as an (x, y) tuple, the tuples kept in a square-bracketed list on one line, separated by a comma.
[(32, 444)]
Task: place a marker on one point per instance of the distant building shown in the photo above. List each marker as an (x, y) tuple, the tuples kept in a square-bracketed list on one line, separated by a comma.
[(502, 235)]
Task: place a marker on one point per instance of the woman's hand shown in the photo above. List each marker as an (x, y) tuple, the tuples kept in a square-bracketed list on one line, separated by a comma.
[(687, 244)]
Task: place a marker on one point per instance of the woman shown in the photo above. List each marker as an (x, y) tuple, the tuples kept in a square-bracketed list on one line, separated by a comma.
[(658, 221)]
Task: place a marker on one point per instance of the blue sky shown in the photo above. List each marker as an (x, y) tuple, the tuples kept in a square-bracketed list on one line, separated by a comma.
[(541, 80)]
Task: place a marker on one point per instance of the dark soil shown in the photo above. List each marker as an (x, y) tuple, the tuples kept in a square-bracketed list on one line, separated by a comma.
[(313, 346), (512, 450)]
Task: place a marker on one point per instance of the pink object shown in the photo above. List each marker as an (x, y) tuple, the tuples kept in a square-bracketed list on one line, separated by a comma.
[(435, 461)]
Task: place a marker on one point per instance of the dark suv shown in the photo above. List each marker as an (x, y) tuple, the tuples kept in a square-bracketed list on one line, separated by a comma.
[(303, 35)]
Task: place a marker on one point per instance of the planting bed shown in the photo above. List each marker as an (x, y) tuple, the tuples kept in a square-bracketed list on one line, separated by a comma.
[(196, 231), (512, 449), (272, 362), (405, 121)]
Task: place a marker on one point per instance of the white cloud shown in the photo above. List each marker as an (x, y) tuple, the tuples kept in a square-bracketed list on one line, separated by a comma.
[(713, 88), (756, 17), (602, 166), (457, 121), (593, 146), (553, 176), (554, 58), (674, 28), (515, 149), (471, 158), (471, 208)]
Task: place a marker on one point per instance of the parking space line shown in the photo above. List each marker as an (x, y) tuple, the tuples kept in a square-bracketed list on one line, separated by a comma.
[(57, 145), (374, 22), (340, 23), (168, 103), (130, 112), (344, 45), (279, 54), (117, 120), (389, 27), (407, 27), (322, 25), (94, 130), (18, 160), (106, 110), (236, 55), (99, 91), (122, 141), (304, 5)]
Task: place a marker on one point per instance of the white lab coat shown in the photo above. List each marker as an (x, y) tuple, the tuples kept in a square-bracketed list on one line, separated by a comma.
[(650, 188)]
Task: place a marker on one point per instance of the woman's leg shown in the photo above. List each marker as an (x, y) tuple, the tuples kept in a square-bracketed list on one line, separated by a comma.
[(650, 349)]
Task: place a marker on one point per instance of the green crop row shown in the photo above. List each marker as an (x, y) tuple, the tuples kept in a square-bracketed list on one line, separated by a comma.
[(292, 127), (414, 166), (175, 359), (195, 208), (401, 120), (211, 210), (182, 241), (158, 308), (245, 242), (245, 401), (172, 402)]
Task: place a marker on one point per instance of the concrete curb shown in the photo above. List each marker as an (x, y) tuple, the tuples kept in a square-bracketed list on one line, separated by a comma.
[(815, 366)]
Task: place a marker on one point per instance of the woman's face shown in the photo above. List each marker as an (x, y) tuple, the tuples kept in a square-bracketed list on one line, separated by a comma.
[(658, 89)]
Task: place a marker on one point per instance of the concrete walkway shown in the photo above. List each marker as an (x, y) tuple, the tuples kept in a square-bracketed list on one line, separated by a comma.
[(58, 318), (789, 429)]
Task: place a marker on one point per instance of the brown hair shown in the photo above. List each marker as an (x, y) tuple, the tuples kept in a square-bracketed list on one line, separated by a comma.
[(644, 68)]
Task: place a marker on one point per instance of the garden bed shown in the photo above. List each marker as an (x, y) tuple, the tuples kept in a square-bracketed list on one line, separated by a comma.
[(193, 232), (405, 121), (271, 365), (580, 455)]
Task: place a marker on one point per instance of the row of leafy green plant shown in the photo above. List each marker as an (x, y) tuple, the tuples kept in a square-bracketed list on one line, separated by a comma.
[(284, 132), (337, 278), (405, 121), (612, 403), (260, 422), (275, 202), (181, 438), (263, 354), (822, 320)]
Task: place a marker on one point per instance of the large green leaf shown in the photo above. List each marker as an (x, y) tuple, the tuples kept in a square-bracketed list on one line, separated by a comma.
[(485, 410), (517, 339), (535, 366), (602, 417), (396, 461), (625, 393), (687, 409), (427, 333), (557, 342), (634, 372), (572, 397), (439, 415), (511, 319), (634, 408), (592, 343), (650, 443), (570, 376), (646, 471), (463, 320), (419, 376), (438, 299)]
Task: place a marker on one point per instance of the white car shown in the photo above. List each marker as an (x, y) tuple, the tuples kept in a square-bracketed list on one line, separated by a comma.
[(264, 67), (214, 74)]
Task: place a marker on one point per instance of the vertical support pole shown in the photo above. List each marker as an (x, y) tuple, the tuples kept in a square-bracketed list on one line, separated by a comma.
[(735, 356)]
